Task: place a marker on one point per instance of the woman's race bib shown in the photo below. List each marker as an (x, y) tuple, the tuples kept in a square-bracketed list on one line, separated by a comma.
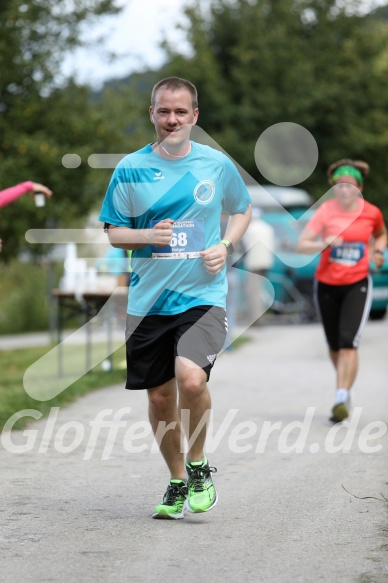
[(188, 239), (347, 253)]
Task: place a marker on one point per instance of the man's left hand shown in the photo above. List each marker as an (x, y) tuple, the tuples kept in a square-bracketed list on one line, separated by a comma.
[(214, 258)]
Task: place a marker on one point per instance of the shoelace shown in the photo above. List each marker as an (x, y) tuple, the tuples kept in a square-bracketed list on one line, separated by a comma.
[(198, 475), (174, 491)]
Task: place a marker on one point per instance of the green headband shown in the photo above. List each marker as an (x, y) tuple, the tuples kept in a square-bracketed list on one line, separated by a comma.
[(348, 171)]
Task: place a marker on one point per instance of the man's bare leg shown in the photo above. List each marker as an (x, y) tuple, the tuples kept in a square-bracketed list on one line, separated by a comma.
[(163, 408), (194, 405)]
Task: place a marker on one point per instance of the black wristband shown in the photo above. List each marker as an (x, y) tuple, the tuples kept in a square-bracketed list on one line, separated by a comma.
[(378, 251)]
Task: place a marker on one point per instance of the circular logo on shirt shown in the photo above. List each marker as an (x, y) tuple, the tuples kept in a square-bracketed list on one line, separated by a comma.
[(204, 191)]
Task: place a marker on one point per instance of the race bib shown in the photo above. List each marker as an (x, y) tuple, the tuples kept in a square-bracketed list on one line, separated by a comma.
[(188, 239), (347, 253)]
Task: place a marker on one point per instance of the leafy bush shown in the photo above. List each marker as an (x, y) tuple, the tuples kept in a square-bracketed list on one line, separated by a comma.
[(24, 297)]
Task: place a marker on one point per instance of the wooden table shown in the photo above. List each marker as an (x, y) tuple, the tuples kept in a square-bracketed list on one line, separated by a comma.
[(87, 305)]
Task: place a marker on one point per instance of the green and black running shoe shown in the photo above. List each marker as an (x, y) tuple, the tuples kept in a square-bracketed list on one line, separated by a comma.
[(202, 495), (172, 505)]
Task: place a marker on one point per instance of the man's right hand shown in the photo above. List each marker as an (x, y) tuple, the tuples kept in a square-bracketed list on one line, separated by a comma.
[(160, 235)]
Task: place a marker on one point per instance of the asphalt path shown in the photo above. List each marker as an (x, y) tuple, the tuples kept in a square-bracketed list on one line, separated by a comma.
[(299, 499)]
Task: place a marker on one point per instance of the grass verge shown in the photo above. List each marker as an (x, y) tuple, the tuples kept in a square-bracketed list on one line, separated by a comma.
[(13, 397)]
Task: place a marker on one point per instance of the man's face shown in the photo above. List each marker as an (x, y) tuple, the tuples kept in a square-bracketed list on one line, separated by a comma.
[(173, 116)]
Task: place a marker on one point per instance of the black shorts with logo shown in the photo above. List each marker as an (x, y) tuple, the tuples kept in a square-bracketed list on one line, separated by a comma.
[(153, 343)]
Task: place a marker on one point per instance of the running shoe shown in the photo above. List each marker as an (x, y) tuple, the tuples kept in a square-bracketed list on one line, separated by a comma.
[(172, 505), (339, 412), (202, 495)]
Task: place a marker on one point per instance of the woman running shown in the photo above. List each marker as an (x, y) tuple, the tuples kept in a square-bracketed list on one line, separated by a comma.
[(348, 232)]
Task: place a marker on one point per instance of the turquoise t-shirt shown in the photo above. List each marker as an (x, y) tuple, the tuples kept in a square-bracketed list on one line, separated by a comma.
[(193, 191)]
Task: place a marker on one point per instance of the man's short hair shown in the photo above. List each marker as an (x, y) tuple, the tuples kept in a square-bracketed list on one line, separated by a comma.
[(175, 84)]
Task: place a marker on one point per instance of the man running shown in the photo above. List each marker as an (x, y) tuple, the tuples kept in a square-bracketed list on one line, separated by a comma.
[(165, 202)]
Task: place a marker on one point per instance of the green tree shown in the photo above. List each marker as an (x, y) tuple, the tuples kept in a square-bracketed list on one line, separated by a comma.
[(42, 120), (318, 63)]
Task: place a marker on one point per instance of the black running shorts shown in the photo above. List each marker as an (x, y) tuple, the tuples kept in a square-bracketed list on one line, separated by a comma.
[(153, 343), (344, 310)]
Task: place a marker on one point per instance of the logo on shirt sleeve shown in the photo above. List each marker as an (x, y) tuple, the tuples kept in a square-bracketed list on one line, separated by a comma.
[(204, 192)]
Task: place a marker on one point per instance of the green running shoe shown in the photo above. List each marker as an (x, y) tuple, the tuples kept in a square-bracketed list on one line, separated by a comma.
[(172, 505), (202, 495), (339, 412)]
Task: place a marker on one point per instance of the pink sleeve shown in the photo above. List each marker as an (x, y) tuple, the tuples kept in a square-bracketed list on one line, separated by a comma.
[(10, 194), (315, 224), (379, 221)]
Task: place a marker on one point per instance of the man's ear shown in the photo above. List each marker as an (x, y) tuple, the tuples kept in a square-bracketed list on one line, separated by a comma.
[(196, 113)]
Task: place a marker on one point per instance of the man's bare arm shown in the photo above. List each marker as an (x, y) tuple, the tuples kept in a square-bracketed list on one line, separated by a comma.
[(131, 239)]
